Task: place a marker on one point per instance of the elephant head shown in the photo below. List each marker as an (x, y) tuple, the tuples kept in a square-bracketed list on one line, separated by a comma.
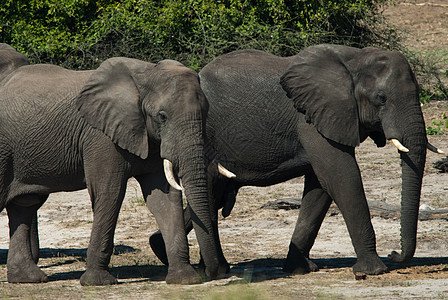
[(350, 94), (156, 110), (10, 60)]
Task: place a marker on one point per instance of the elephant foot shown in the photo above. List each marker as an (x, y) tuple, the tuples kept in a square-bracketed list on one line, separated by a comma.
[(371, 266), (28, 273), (158, 246), (299, 265), (185, 274), (223, 267), (97, 277)]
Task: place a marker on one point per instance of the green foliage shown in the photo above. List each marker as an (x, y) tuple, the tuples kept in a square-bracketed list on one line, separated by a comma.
[(424, 97), (438, 127), (431, 69), (81, 33)]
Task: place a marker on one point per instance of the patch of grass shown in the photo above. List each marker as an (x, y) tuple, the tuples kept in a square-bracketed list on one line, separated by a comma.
[(324, 296), (438, 127), (239, 292), (137, 198)]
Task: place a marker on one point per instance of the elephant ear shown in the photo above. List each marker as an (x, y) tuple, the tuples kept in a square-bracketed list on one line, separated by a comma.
[(110, 101), (321, 86), (10, 60)]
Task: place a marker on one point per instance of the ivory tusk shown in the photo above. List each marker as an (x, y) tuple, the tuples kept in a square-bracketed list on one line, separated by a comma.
[(168, 169), (434, 149), (225, 172), (399, 145)]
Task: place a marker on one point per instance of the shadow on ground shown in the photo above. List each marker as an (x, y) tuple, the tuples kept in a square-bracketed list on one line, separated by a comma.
[(256, 270), (271, 268), (130, 273)]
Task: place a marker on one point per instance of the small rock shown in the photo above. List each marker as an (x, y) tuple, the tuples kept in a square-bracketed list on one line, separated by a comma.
[(442, 165), (426, 207), (360, 276)]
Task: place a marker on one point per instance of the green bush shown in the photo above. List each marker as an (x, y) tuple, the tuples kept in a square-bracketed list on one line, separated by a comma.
[(438, 127), (80, 34)]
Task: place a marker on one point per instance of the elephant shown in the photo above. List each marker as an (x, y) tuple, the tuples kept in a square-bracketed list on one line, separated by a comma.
[(64, 130), (10, 60), (274, 118)]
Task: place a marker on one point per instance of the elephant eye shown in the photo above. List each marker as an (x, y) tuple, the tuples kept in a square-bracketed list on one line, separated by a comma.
[(162, 117), (381, 97)]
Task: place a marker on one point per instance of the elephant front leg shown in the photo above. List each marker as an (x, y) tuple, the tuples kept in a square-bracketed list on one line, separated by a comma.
[(338, 173), (21, 263), (106, 203), (100, 251), (158, 246), (157, 242), (315, 204), (357, 218), (347, 191), (165, 203)]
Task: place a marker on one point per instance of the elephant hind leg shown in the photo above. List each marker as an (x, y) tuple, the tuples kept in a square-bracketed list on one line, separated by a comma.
[(21, 263), (315, 204), (34, 233), (158, 246)]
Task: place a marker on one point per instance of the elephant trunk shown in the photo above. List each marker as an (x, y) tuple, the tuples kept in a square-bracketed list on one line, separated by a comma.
[(413, 164), (193, 174)]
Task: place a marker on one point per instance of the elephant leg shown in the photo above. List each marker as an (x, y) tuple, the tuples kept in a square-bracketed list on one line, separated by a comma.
[(315, 204), (165, 203), (34, 239), (21, 260), (336, 168), (34, 233), (158, 244), (219, 190), (107, 193)]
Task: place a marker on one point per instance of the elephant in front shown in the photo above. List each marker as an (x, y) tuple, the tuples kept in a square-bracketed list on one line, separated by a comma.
[(63, 130), (276, 118)]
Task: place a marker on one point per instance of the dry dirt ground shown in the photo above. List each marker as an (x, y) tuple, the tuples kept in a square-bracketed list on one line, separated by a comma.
[(255, 240)]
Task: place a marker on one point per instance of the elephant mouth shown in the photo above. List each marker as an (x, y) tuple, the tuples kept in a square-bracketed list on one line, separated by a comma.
[(169, 174), (380, 141)]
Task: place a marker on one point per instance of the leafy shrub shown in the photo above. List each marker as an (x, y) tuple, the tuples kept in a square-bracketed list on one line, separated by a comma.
[(80, 34), (431, 69), (438, 127)]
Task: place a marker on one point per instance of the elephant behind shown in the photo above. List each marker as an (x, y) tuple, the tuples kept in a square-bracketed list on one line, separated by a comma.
[(10, 60), (336, 97), (63, 130)]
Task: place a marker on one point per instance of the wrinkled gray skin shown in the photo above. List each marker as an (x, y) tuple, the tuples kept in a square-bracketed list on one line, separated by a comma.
[(63, 130), (10, 60), (338, 96)]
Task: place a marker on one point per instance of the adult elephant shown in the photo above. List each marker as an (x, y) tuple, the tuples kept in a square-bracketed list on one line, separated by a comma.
[(336, 97), (63, 130), (10, 60)]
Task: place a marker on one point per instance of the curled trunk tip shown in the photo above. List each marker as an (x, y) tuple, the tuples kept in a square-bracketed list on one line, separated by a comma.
[(401, 258)]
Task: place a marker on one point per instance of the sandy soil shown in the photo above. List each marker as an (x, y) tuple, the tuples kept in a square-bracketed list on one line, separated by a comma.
[(255, 240)]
